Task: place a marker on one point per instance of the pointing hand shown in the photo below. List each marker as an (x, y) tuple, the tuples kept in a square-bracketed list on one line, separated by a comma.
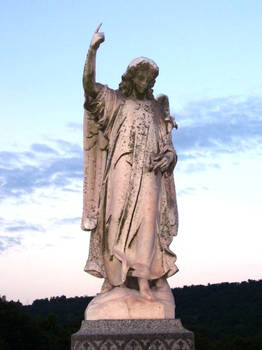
[(97, 38)]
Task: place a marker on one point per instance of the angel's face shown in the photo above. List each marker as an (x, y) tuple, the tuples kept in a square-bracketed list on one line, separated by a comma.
[(142, 81)]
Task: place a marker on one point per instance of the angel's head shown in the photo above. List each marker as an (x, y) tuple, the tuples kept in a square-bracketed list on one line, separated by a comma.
[(139, 78)]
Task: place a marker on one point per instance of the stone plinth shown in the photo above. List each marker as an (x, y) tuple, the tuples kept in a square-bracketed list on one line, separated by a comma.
[(166, 334)]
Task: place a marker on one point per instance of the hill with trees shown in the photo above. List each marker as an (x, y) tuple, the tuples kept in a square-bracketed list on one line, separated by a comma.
[(224, 316)]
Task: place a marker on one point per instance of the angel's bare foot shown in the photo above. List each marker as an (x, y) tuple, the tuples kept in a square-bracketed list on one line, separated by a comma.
[(144, 289)]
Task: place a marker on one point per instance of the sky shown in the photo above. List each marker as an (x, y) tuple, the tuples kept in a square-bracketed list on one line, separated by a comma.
[(209, 54)]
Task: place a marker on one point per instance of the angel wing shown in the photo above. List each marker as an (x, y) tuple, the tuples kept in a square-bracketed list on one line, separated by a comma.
[(95, 155), (163, 102)]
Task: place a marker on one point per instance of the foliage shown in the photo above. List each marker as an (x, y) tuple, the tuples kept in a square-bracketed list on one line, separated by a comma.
[(225, 316)]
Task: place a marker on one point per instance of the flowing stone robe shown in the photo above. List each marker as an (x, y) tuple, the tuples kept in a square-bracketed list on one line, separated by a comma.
[(130, 208)]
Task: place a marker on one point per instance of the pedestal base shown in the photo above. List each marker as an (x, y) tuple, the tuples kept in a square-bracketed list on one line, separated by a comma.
[(127, 304), (166, 334)]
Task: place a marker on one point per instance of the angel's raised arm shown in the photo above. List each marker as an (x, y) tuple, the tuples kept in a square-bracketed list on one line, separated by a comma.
[(89, 80)]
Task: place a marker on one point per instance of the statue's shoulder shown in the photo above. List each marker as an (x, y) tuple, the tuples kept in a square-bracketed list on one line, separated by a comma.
[(112, 94), (104, 89), (105, 95)]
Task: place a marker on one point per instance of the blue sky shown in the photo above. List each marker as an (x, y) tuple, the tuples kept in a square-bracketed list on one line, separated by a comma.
[(209, 54)]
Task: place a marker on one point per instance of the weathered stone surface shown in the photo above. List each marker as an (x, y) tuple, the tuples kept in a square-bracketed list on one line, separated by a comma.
[(132, 335), (126, 303), (129, 202)]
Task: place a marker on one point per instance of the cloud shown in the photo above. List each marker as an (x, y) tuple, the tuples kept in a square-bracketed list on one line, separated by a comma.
[(68, 147), (8, 242), (68, 221), (19, 176), (19, 226), (26, 227), (14, 231), (8, 158), (186, 191), (200, 165), (42, 148), (206, 128), (75, 126), (219, 125)]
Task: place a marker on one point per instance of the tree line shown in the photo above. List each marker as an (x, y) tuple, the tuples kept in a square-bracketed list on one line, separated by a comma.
[(224, 316)]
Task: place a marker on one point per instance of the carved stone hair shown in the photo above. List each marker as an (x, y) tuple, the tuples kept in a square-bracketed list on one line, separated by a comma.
[(140, 63)]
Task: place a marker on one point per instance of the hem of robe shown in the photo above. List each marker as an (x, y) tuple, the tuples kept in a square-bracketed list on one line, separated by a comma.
[(93, 269), (136, 270)]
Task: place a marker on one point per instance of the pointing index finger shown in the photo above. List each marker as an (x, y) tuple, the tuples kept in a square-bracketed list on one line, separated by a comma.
[(97, 29)]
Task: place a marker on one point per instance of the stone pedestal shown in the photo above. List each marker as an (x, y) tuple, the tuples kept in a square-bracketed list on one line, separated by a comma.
[(165, 334)]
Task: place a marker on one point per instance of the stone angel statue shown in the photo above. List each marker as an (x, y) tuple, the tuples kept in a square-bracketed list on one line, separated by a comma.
[(129, 200)]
